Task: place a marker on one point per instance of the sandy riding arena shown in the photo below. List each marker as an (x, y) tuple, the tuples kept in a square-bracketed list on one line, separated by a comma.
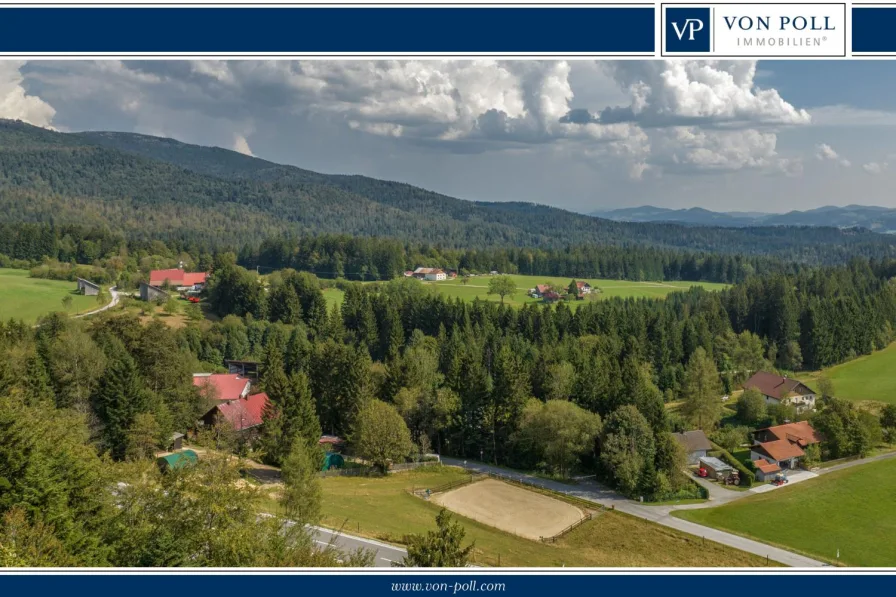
[(509, 508)]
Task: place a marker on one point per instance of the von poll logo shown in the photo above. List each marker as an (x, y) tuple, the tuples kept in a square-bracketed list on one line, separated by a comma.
[(751, 30), (688, 29)]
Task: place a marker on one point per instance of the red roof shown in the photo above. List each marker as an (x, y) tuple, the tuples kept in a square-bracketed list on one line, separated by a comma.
[(765, 466), (194, 278), (229, 386), (780, 449), (542, 288), (800, 432), (330, 439), (244, 413), (175, 277), (581, 285)]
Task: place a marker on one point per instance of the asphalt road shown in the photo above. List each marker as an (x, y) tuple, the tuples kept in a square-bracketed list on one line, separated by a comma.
[(594, 492), (385, 554), (114, 292)]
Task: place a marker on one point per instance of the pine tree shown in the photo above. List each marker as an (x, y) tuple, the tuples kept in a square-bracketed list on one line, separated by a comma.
[(299, 418), (36, 381), (120, 397), (702, 392), (302, 490), (441, 548)]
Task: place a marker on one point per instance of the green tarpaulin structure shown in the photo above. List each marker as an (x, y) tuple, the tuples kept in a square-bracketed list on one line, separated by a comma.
[(177, 460), (332, 460)]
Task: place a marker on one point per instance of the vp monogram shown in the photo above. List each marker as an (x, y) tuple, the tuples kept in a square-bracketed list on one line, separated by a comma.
[(690, 27)]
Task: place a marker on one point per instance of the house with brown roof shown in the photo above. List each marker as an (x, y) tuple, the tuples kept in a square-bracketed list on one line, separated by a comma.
[(583, 287), (777, 389), (695, 443), (540, 290), (781, 446), (432, 274)]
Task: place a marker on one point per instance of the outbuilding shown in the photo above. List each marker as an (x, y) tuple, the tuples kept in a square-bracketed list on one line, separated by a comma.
[(715, 468), (88, 288), (152, 293), (695, 443)]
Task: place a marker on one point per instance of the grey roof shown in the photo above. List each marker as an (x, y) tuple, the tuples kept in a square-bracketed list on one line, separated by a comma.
[(693, 441), (716, 464), (88, 282), (175, 436)]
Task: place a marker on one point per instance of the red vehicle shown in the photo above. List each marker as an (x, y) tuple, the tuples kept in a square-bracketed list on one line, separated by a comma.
[(701, 472), (193, 299)]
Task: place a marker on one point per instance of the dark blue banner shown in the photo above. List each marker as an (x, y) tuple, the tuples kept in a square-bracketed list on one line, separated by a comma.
[(873, 29), (460, 583), (344, 31)]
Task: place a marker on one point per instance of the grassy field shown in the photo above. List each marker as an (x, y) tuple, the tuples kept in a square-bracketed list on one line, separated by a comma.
[(28, 299), (850, 510), (866, 378), (382, 508), (334, 296), (477, 287)]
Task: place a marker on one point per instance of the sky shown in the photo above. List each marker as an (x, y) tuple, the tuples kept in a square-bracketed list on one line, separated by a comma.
[(581, 135)]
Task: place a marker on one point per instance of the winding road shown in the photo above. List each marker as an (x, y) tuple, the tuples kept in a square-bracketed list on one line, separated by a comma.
[(114, 292)]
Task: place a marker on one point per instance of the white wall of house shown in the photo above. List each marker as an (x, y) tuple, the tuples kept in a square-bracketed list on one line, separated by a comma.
[(799, 402), (436, 277)]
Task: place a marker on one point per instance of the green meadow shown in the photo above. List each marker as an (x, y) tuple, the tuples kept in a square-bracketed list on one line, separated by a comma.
[(25, 298), (477, 287), (869, 377), (850, 511)]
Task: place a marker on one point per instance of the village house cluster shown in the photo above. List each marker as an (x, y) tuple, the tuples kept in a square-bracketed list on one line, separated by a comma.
[(774, 450), (163, 282), (549, 294), (431, 274)]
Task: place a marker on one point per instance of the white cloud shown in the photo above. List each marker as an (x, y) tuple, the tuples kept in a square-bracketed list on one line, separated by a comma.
[(825, 152), (16, 104), (690, 149), (874, 167), (680, 115), (698, 92)]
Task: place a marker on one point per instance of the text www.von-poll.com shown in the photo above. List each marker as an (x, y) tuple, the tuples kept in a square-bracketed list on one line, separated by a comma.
[(470, 586)]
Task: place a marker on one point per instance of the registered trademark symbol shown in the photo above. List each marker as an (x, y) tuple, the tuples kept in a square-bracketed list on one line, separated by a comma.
[(825, 38)]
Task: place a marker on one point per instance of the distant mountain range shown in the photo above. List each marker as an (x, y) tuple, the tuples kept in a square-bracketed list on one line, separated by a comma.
[(149, 188), (878, 219)]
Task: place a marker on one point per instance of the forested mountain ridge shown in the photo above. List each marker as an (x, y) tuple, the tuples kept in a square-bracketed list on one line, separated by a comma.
[(879, 219), (150, 188)]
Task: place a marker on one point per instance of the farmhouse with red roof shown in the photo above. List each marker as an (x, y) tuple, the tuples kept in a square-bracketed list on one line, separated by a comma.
[(222, 386), (177, 278), (781, 447), (240, 415)]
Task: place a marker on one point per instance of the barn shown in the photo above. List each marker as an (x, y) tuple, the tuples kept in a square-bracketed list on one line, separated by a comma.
[(88, 288), (152, 293)]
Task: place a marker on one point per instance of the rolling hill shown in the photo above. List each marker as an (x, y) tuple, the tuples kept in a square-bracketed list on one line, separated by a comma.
[(879, 219), (151, 188)]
